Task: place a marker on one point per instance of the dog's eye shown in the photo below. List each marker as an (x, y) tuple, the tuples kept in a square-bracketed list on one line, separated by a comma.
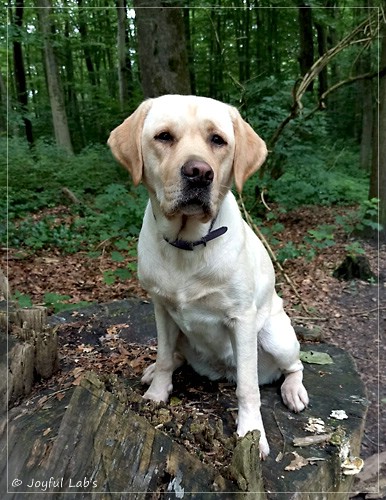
[(218, 140), (164, 137)]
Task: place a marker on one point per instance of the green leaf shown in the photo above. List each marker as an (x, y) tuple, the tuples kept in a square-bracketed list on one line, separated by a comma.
[(22, 299), (117, 256), (122, 244), (123, 274), (317, 358), (109, 278)]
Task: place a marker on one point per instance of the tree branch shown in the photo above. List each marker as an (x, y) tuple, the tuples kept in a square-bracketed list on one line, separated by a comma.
[(370, 25), (348, 81), (271, 253)]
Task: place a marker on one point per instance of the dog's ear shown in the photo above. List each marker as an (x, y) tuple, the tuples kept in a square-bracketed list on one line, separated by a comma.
[(125, 142), (250, 150)]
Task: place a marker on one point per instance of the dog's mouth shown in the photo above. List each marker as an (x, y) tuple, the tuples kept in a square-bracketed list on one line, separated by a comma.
[(195, 202)]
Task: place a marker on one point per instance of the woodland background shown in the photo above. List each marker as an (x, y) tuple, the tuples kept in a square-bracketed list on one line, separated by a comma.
[(308, 76)]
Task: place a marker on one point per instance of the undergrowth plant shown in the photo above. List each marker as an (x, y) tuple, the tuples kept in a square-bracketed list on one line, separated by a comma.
[(110, 211), (323, 236)]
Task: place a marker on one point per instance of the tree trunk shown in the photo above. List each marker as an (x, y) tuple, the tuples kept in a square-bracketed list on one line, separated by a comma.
[(306, 55), (367, 111), (54, 84), (85, 44), (20, 77), (124, 67), (378, 164), (75, 117), (162, 49), (189, 30), (322, 49)]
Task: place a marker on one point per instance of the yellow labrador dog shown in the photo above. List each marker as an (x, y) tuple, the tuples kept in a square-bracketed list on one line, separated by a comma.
[(210, 278)]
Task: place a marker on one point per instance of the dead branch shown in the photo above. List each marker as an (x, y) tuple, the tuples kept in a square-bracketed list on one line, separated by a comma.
[(369, 27), (271, 253), (71, 196), (367, 311), (348, 81), (311, 440)]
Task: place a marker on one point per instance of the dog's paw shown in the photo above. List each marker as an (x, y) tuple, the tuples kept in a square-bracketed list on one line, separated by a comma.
[(294, 393), (148, 375), (158, 394)]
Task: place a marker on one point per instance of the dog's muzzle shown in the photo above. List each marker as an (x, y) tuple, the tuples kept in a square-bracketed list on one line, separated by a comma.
[(197, 177)]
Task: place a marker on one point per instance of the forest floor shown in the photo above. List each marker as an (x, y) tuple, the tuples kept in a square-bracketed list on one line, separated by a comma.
[(348, 314)]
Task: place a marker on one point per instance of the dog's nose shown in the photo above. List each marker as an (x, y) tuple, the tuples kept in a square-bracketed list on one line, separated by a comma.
[(197, 173)]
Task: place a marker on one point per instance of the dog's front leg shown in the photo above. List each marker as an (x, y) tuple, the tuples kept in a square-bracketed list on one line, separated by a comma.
[(159, 375), (244, 343)]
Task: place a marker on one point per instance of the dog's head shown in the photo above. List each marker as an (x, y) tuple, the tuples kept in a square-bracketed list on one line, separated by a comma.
[(187, 150)]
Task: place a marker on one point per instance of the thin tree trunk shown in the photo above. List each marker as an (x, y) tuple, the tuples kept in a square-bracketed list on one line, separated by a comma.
[(306, 55), (367, 112), (20, 76), (189, 27), (55, 89), (74, 115), (3, 105), (124, 67), (85, 44), (322, 49), (378, 166)]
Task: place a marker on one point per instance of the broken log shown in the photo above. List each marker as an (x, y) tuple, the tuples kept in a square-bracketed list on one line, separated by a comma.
[(29, 348), (93, 442), (98, 445)]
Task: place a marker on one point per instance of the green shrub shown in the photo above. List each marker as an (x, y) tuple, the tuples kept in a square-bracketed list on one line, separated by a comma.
[(36, 176)]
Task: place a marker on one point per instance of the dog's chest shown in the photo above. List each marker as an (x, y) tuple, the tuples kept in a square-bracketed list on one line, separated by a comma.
[(196, 304)]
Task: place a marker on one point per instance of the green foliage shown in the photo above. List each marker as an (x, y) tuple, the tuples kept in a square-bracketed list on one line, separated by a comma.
[(23, 300), (53, 301), (36, 176), (129, 271), (364, 217), (323, 236), (108, 210), (354, 248)]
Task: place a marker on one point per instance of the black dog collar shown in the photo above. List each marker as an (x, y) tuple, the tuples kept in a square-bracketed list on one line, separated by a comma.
[(189, 245)]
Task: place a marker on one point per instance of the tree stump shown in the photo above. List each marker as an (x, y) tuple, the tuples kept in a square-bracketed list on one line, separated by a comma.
[(354, 267), (32, 348)]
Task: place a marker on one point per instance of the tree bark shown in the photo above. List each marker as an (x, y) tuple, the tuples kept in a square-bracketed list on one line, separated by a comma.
[(54, 84), (378, 164), (162, 48)]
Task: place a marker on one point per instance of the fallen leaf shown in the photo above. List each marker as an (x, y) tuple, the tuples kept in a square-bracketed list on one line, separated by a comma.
[(297, 463), (317, 358), (76, 371)]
